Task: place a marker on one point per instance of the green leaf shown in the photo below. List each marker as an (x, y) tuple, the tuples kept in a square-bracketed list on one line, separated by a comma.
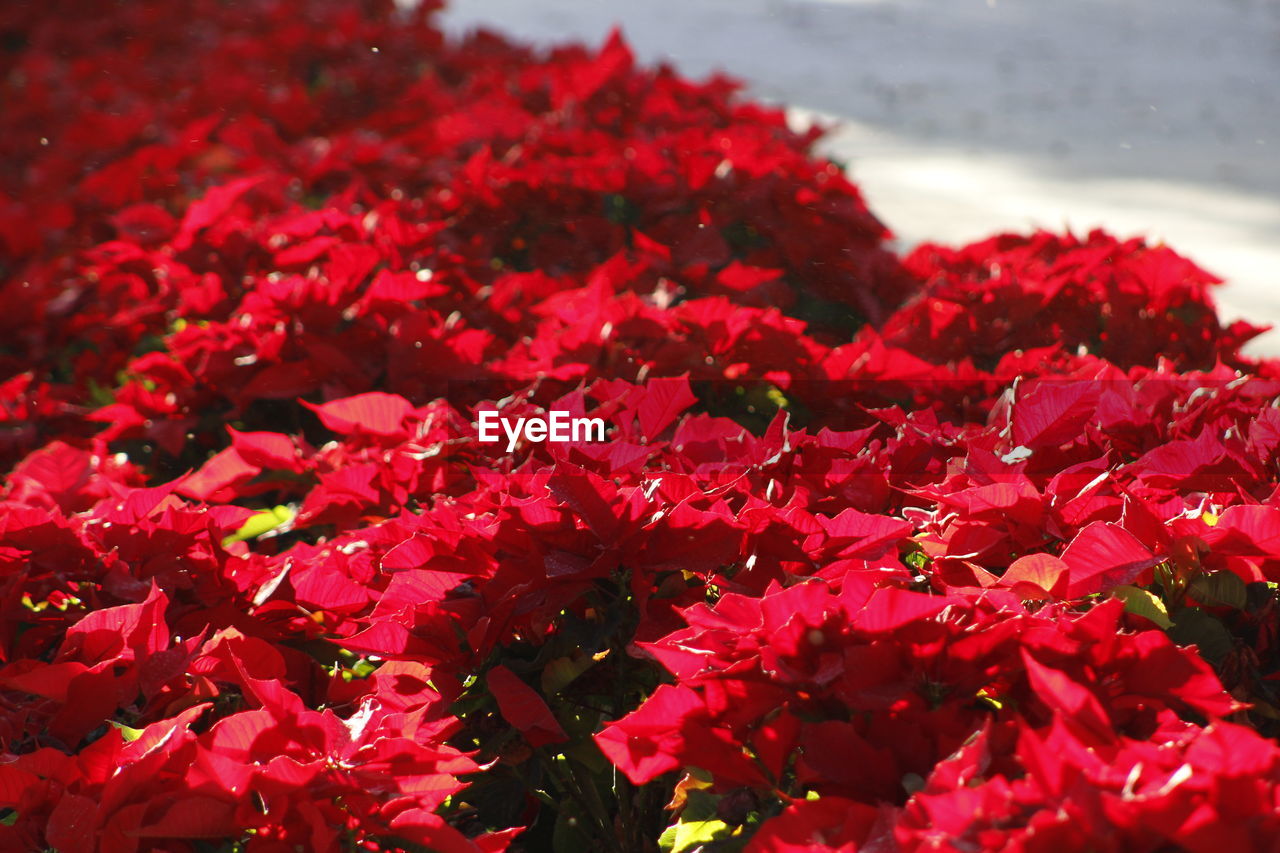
[(689, 835), (362, 668), (584, 751), (698, 824), (100, 395), (1144, 603), (129, 734), (569, 834), (667, 840), (559, 673), (1220, 589), (699, 805), (1195, 627), (260, 523)]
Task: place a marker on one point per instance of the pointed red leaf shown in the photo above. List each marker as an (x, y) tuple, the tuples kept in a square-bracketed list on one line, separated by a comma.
[(661, 402), (523, 708), (1037, 576), (1054, 413), (374, 413), (1104, 556)]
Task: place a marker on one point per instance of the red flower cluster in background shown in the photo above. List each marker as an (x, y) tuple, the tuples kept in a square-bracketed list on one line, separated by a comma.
[(975, 549)]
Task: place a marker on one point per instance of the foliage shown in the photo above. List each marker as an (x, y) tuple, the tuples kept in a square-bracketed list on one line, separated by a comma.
[(974, 549)]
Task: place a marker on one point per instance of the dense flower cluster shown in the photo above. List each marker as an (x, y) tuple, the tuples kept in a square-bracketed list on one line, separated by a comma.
[(975, 549)]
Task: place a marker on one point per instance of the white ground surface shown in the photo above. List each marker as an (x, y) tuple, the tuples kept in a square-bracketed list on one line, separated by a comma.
[(960, 118)]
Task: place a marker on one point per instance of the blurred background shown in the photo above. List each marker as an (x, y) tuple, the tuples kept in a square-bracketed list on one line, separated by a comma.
[(961, 118)]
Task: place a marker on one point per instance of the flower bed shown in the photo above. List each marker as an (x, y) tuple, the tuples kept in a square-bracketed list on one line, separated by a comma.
[(971, 549)]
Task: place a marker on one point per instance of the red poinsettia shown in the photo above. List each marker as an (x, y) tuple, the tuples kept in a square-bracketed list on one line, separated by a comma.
[(974, 549)]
